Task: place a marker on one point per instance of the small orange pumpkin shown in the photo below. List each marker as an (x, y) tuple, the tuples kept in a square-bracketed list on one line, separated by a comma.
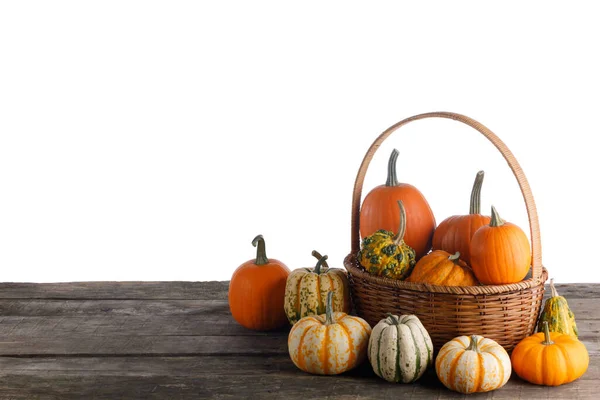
[(257, 290), (442, 268), (550, 358), (500, 252), (455, 233), (380, 211)]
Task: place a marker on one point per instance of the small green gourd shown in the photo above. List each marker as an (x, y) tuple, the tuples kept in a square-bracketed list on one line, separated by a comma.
[(558, 315), (384, 254)]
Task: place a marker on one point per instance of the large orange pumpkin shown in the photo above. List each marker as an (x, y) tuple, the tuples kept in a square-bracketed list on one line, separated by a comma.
[(442, 268), (500, 252), (550, 358), (454, 233), (380, 211), (257, 291)]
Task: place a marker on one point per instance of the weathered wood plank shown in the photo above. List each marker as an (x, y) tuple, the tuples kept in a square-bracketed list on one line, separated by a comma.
[(584, 309), (374, 388), (147, 325), (292, 385), (124, 325), (576, 290), (194, 366), (214, 290), (85, 345), (45, 307), (116, 290), (55, 318), (90, 345)]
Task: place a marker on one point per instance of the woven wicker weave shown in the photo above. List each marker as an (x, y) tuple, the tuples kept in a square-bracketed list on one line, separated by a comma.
[(505, 313)]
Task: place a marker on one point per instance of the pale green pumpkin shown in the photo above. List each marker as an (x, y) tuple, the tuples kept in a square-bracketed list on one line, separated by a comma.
[(400, 349), (557, 313), (384, 254)]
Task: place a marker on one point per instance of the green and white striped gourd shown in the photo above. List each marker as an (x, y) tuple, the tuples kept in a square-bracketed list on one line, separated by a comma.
[(400, 349)]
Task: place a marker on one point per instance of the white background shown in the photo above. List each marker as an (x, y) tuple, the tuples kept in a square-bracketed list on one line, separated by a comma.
[(145, 140)]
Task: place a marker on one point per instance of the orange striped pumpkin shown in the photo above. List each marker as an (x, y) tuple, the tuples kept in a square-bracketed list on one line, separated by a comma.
[(330, 343), (473, 364)]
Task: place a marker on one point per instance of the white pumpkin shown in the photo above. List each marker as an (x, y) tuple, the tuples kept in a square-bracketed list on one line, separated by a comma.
[(400, 349), (473, 364), (330, 343)]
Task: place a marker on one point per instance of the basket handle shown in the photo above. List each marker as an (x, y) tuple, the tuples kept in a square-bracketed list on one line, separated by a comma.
[(536, 246)]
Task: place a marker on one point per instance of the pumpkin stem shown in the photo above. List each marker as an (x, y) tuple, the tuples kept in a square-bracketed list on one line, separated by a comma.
[(554, 292), (321, 261), (473, 344), (496, 220), (395, 320), (329, 309), (402, 226), (475, 207), (318, 256), (392, 178), (261, 254), (547, 340), (455, 257)]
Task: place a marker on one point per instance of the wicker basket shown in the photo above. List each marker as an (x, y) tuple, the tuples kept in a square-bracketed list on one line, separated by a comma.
[(505, 313)]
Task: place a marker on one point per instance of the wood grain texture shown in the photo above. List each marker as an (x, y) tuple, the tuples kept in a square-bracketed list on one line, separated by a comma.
[(61, 318), (192, 366), (214, 290), (178, 340), (116, 290), (100, 345), (584, 308), (235, 377), (263, 387)]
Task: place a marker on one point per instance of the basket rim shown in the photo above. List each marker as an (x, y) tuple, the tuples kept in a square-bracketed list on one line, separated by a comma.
[(351, 265)]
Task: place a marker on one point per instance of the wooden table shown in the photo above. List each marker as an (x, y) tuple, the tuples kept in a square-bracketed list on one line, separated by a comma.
[(177, 340)]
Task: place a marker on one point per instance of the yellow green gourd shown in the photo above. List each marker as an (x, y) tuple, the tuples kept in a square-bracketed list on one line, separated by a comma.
[(558, 315), (307, 288), (384, 254)]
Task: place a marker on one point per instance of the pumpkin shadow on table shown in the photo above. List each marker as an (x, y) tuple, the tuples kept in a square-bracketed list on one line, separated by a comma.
[(365, 371)]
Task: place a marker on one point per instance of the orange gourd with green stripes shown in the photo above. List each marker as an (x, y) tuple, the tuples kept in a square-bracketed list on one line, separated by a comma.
[(330, 343), (306, 290)]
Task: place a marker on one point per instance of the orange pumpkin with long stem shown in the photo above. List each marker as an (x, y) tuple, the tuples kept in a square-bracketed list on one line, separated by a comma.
[(500, 252), (257, 291), (380, 211), (455, 233)]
